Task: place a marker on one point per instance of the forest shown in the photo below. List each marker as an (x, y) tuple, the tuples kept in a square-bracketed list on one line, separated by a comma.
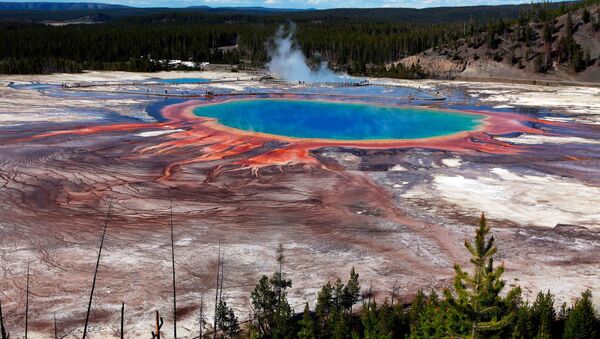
[(360, 42), (478, 304)]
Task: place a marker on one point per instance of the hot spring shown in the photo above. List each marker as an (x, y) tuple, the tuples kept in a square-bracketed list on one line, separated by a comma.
[(313, 119)]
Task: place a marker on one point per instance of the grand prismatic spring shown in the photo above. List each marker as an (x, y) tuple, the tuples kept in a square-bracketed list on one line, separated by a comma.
[(305, 119), (388, 178)]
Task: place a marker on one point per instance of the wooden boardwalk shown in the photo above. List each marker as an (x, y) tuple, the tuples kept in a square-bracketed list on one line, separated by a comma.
[(90, 88)]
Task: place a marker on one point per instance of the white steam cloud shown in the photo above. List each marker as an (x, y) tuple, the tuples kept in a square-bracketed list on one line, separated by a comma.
[(289, 63)]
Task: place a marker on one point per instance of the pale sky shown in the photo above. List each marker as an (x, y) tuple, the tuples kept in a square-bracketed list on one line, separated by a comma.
[(321, 4)]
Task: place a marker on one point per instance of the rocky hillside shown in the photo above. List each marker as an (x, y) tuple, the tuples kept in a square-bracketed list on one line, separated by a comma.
[(564, 47)]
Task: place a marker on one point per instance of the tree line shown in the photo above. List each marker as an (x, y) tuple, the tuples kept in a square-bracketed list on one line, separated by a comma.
[(477, 305), (137, 43), (362, 43)]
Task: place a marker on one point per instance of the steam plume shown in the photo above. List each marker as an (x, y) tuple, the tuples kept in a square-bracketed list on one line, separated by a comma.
[(289, 63)]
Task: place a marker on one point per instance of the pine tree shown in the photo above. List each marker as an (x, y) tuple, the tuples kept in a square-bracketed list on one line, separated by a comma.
[(264, 300), (373, 325), (227, 320), (582, 322), (269, 299), (339, 325), (476, 296), (416, 309), (323, 309), (338, 295), (586, 16), (282, 327), (307, 326), (337, 322), (543, 315), (522, 325), (433, 319), (561, 318), (351, 293)]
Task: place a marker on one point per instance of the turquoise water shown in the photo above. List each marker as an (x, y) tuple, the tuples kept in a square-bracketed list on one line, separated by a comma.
[(336, 120), (185, 81)]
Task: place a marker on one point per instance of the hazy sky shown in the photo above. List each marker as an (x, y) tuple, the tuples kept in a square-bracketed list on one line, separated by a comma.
[(300, 3)]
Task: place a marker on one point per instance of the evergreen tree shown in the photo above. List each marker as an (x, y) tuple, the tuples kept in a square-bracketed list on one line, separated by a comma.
[(522, 326), (227, 320), (339, 325), (578, 61), (269, 299), (351, 293), (586, 16), (283, 311), (338, 295), (582, 321), (569, 27), (433, 321), (323, 309), (337, 322), (264, 302), (559, 324), (543, 315), (476, 297), (307, 326), (373, 325), (416, 309), (283, 327)]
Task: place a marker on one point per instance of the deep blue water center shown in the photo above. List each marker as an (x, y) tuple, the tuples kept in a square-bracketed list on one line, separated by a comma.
[(337, 120), (184, 81)]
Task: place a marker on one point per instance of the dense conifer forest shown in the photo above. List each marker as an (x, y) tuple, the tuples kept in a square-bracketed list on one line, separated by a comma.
[(356, 41)]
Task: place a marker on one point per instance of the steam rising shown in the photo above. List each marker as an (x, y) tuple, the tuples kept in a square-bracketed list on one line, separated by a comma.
[(289, 63)]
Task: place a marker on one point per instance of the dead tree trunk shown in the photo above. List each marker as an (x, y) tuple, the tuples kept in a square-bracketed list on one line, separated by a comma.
[(394, 289), (27, 303), (158, 326), (222, 279), (87, 317), (122, 319), (217, 293), (174, 290), (201, 320), (5, 335)]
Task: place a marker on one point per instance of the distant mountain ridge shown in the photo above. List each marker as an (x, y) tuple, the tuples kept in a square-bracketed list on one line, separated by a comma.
[(253, 9), (56, 6), (78, 6), (54, 11)]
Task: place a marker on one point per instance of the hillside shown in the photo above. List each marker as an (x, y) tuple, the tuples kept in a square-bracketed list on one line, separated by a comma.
[(55, 6), (38, 11), (565, 48)]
